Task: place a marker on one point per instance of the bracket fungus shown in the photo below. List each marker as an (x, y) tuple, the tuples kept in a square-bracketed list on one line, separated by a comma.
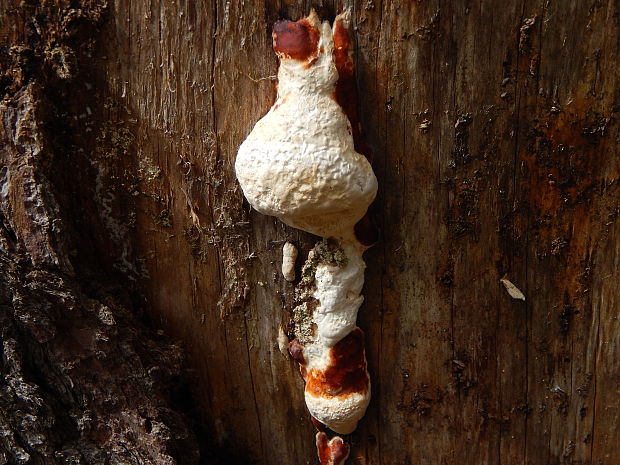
[(300, 164)]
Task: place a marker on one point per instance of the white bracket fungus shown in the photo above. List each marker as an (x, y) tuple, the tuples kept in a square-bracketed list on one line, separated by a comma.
[(300, 164)]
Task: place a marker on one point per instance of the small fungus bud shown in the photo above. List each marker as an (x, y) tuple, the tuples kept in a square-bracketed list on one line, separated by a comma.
[(332, 452), (282, 342), (289, 255)]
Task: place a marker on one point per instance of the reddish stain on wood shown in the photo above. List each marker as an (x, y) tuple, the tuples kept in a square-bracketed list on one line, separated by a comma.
[(280, 101), (347, 97), (346, 373), (346, 87), (317, 424), (297, 40), (332, 452), (343, 47)]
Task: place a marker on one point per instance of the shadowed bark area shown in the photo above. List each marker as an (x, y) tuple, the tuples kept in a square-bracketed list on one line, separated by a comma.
[(494, 134), (84, 381)]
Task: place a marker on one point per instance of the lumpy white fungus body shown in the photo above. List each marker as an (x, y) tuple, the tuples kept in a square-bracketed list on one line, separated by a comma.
[(299, 162)]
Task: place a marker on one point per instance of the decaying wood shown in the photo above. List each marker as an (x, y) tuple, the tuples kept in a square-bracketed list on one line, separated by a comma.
[(494, 134)]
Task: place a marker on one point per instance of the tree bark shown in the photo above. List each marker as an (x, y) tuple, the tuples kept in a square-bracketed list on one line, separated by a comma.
[(84, 380), (494, 134)]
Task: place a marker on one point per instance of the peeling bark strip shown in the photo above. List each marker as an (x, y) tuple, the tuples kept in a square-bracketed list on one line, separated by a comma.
[(299, 163)]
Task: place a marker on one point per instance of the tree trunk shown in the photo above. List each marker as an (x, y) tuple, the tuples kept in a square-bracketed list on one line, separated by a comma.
[(494, 133)]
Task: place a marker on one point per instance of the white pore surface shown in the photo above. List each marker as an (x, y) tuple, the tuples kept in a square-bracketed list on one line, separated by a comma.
[(340, 414), (298, 163), (338, 293)]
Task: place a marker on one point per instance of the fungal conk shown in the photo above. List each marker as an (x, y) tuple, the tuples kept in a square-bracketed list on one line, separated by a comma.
[(300, 164)]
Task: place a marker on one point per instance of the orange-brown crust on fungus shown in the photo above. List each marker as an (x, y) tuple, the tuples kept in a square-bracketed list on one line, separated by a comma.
[(346, 374), (296, 40), (343, 49)]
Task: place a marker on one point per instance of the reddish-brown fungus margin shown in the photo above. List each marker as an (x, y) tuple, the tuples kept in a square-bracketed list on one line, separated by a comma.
[(297, 40), (296, 349), (346, 87), (346, 374), (333, 452)]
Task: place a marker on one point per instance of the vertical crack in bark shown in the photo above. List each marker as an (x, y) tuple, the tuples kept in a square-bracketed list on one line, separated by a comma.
[(514, 199), (379, 372), (256, 409)]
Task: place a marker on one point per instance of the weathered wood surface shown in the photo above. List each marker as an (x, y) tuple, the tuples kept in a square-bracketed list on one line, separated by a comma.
[(494, 131)]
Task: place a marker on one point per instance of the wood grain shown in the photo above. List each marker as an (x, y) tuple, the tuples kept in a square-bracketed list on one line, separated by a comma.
[(494, 135)]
